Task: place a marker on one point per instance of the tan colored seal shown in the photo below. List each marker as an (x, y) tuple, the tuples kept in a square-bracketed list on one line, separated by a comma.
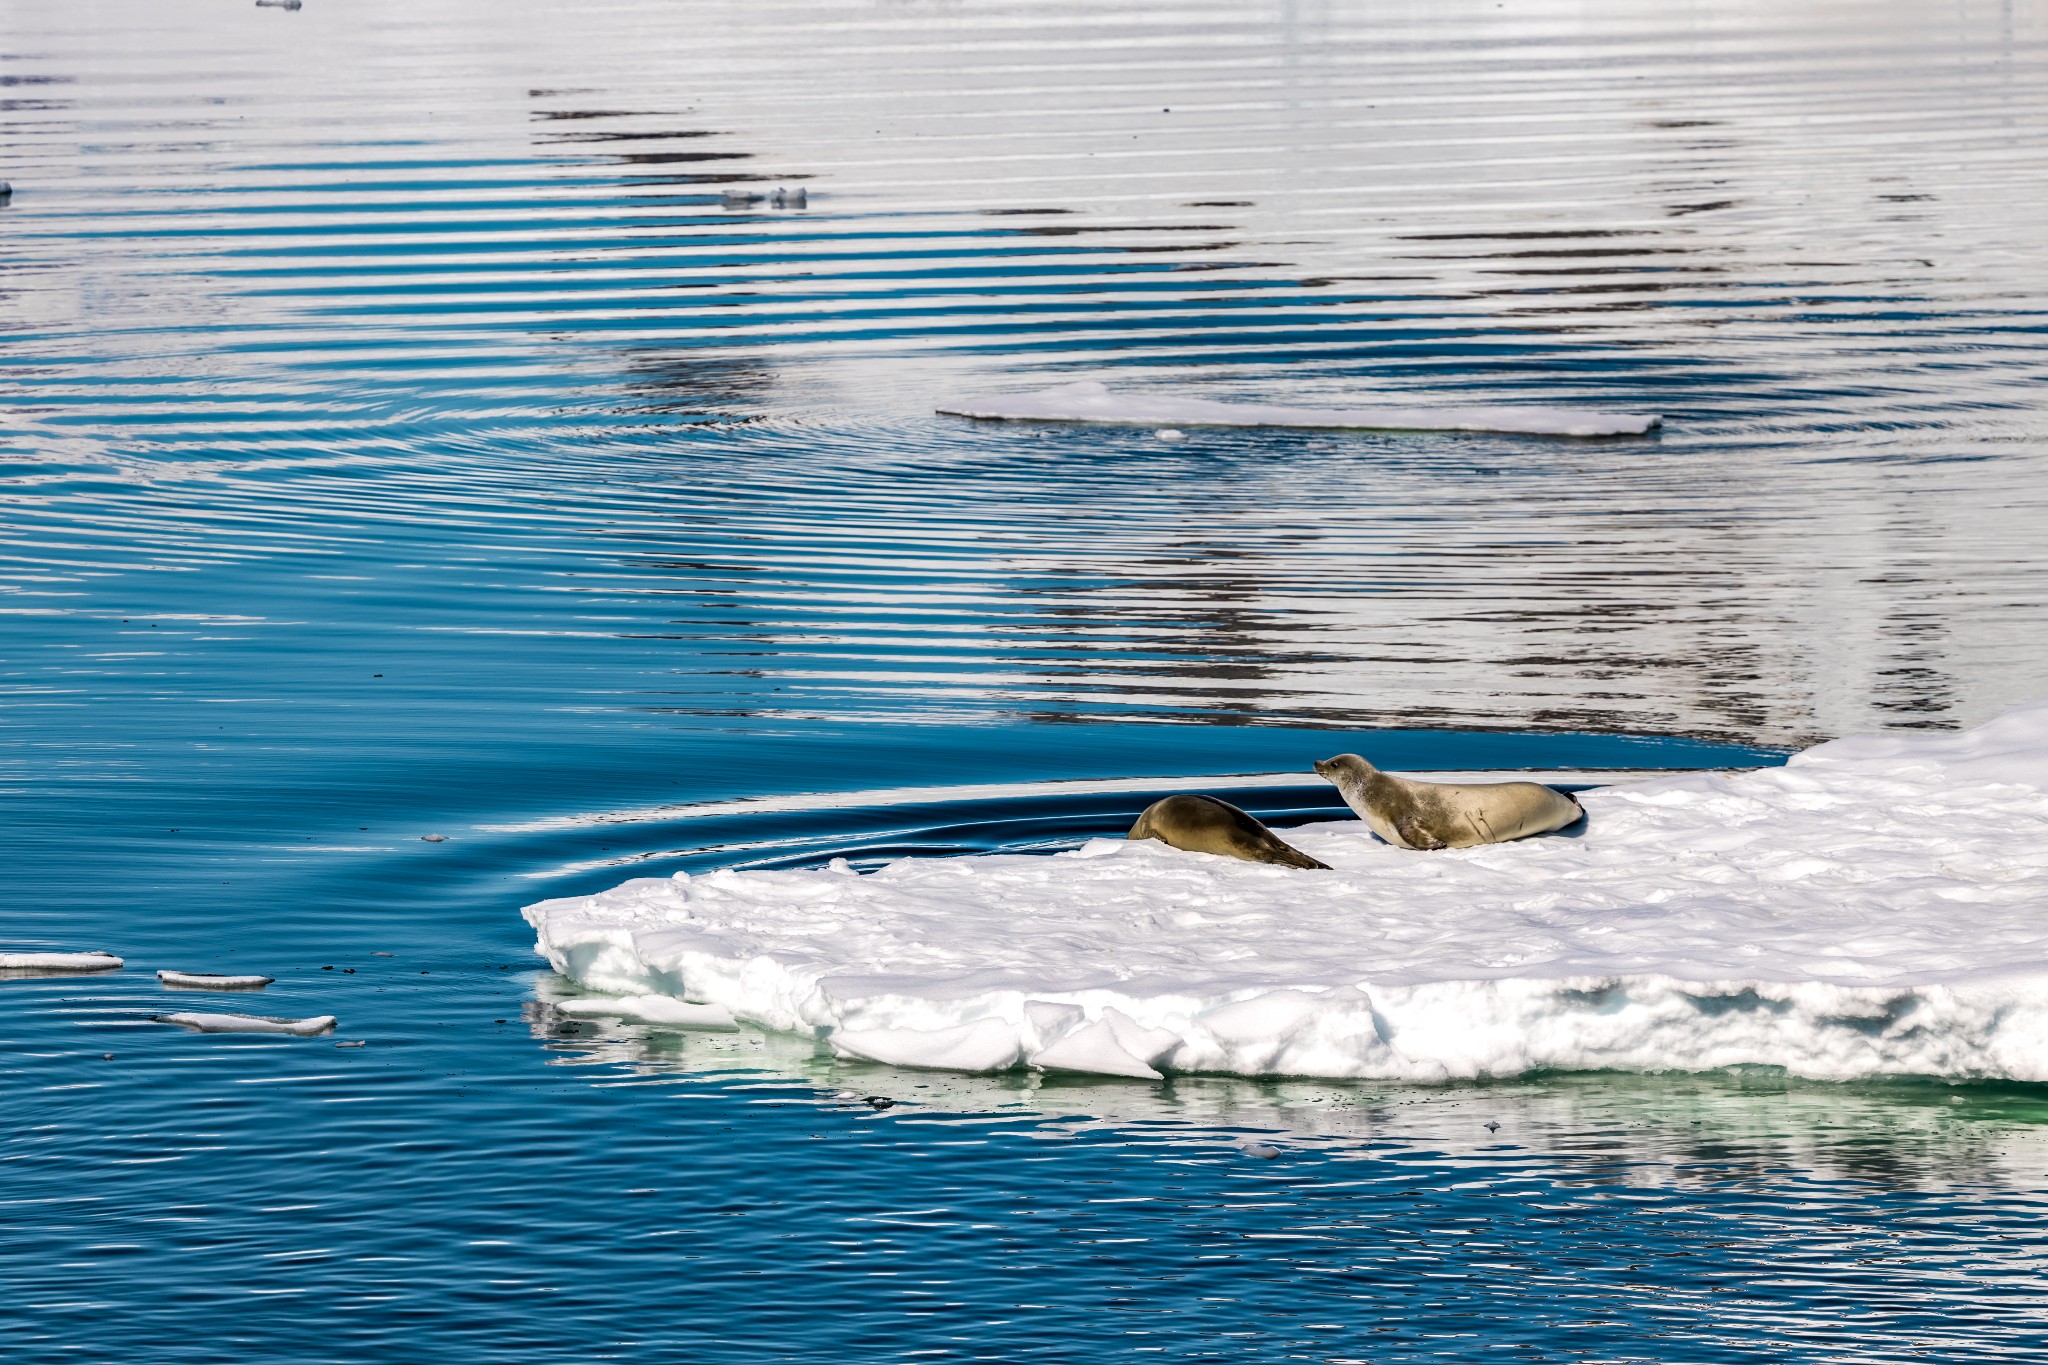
[(1202, 824), (1428, 815)]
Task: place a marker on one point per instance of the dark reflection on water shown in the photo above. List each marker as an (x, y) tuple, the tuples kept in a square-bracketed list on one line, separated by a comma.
[(411, 422)]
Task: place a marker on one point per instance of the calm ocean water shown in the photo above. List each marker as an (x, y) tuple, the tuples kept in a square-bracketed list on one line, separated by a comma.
[(412, 422)]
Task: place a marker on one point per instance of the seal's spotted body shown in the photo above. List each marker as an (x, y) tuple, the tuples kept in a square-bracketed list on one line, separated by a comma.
[(1432, 815)]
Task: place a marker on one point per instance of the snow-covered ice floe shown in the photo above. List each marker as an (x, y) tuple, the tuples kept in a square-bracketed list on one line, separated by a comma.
[(59, 962), (250, 1023), (1090, 401), (1876, 906), (212, 981)]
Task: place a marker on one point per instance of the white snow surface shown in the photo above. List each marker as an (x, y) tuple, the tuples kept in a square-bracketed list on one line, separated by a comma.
[(1876, 906), (1089, 400)]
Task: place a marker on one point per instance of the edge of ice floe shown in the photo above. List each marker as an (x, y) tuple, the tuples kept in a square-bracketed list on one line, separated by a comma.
[(798, 802), (1093, 401), (649, 1009)]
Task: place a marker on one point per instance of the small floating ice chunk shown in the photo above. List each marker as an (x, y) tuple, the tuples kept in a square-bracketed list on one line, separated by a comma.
[(1169, 434), (1091, 401), (433, 838), (60, 962), (650, 1009), (984, 1045), (250, 1023), (210, 981)]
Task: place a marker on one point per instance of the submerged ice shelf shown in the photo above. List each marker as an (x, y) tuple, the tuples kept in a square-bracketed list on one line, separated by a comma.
[(1877, 906), (1091, 401)]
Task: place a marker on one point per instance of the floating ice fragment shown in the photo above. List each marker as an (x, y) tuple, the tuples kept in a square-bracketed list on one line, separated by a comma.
[(60, 962), (209, 981), (1169, 434), (650, 1009), (433, 838), (1091, 401), (250, 1023)]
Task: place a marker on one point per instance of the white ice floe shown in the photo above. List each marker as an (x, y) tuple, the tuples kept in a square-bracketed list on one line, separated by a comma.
[(209, 981), (1877, 906), (1090, 401), (250, 1023), (59, 962), (649, 1009)]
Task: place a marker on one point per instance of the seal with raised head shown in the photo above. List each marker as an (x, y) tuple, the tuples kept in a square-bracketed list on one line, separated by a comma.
[(1202, 824), (1430, 815)]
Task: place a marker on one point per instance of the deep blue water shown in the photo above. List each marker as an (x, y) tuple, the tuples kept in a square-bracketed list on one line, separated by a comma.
[(400, 434)]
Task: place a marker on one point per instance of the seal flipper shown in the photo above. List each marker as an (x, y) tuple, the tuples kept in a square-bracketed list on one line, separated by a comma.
[(1416, 836), (1287, 855)]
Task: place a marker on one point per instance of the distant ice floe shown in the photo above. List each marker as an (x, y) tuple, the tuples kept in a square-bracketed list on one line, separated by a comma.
[(1090, 401), (1877, 906), (250, 1023), (59, 962)]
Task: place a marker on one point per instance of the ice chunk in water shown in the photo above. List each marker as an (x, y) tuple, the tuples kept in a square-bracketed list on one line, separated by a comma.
[(59, 962), (1091, 401), (250, 1023), (209, 981)]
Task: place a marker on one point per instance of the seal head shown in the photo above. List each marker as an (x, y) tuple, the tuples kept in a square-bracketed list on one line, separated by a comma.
[(1432, 815), (1202, 824)]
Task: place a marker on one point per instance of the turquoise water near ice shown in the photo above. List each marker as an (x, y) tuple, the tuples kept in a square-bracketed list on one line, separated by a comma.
[(402, 434)]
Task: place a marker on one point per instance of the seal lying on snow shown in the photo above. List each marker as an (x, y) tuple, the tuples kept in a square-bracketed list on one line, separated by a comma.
[(1427, 815), (1202, 824)]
